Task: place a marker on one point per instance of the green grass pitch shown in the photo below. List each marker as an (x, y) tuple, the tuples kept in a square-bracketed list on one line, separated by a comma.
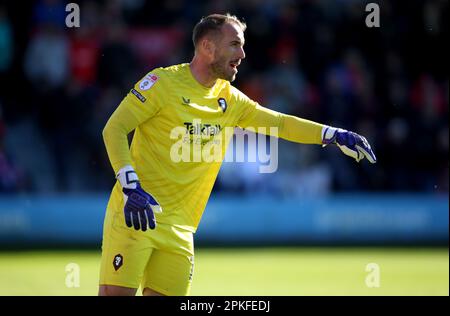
[(250, 271)]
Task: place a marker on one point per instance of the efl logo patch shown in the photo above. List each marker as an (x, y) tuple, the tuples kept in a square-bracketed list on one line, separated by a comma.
[(148, 82), (117, 262), (222, 104)]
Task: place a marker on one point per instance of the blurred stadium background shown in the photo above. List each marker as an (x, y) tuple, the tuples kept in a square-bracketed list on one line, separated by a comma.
[(312, 227)]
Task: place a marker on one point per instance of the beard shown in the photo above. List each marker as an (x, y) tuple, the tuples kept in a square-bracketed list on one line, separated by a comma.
[(220, 69)]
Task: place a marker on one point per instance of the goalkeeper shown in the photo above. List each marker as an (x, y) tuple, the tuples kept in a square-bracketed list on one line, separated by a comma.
[(157, 201)]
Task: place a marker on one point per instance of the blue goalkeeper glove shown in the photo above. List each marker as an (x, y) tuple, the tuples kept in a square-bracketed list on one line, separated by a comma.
[(351, 144), (139, 206)]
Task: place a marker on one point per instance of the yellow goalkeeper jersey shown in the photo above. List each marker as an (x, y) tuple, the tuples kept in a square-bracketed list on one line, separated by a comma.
[(182, 130)]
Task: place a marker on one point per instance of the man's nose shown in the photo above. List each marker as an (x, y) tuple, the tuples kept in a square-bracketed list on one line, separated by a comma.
[(242, 53)]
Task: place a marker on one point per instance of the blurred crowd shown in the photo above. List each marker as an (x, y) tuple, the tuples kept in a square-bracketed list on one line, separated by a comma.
[(313, 59)]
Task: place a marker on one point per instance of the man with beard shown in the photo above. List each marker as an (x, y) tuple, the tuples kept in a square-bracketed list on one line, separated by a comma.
[(187, 108)]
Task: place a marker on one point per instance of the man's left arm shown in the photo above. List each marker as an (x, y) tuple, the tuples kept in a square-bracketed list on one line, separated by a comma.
[(304, 131)]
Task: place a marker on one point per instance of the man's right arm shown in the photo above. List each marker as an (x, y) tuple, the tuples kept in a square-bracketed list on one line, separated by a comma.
[(137, 107), (115, 135), (139, 206)]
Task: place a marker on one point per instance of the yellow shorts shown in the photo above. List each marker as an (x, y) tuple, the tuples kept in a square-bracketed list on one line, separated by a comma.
[(161, 259)]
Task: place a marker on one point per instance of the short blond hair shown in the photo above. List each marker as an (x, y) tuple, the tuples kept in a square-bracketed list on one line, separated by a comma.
[(213, 23)]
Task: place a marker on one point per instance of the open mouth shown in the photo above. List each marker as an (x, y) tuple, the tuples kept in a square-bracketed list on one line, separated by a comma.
[(234, 64)]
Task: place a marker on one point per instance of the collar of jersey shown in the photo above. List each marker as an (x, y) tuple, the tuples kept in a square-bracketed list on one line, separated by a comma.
[(198, 84)]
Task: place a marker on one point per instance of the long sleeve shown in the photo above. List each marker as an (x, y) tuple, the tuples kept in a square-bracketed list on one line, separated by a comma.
[(137, 107), (115, 136), (290, 127)]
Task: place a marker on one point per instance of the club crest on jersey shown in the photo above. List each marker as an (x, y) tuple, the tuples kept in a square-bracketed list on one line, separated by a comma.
[(148, 81), (117, 262), (222, 104)]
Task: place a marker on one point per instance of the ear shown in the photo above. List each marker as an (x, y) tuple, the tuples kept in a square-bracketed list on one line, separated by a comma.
[(208, 48)]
